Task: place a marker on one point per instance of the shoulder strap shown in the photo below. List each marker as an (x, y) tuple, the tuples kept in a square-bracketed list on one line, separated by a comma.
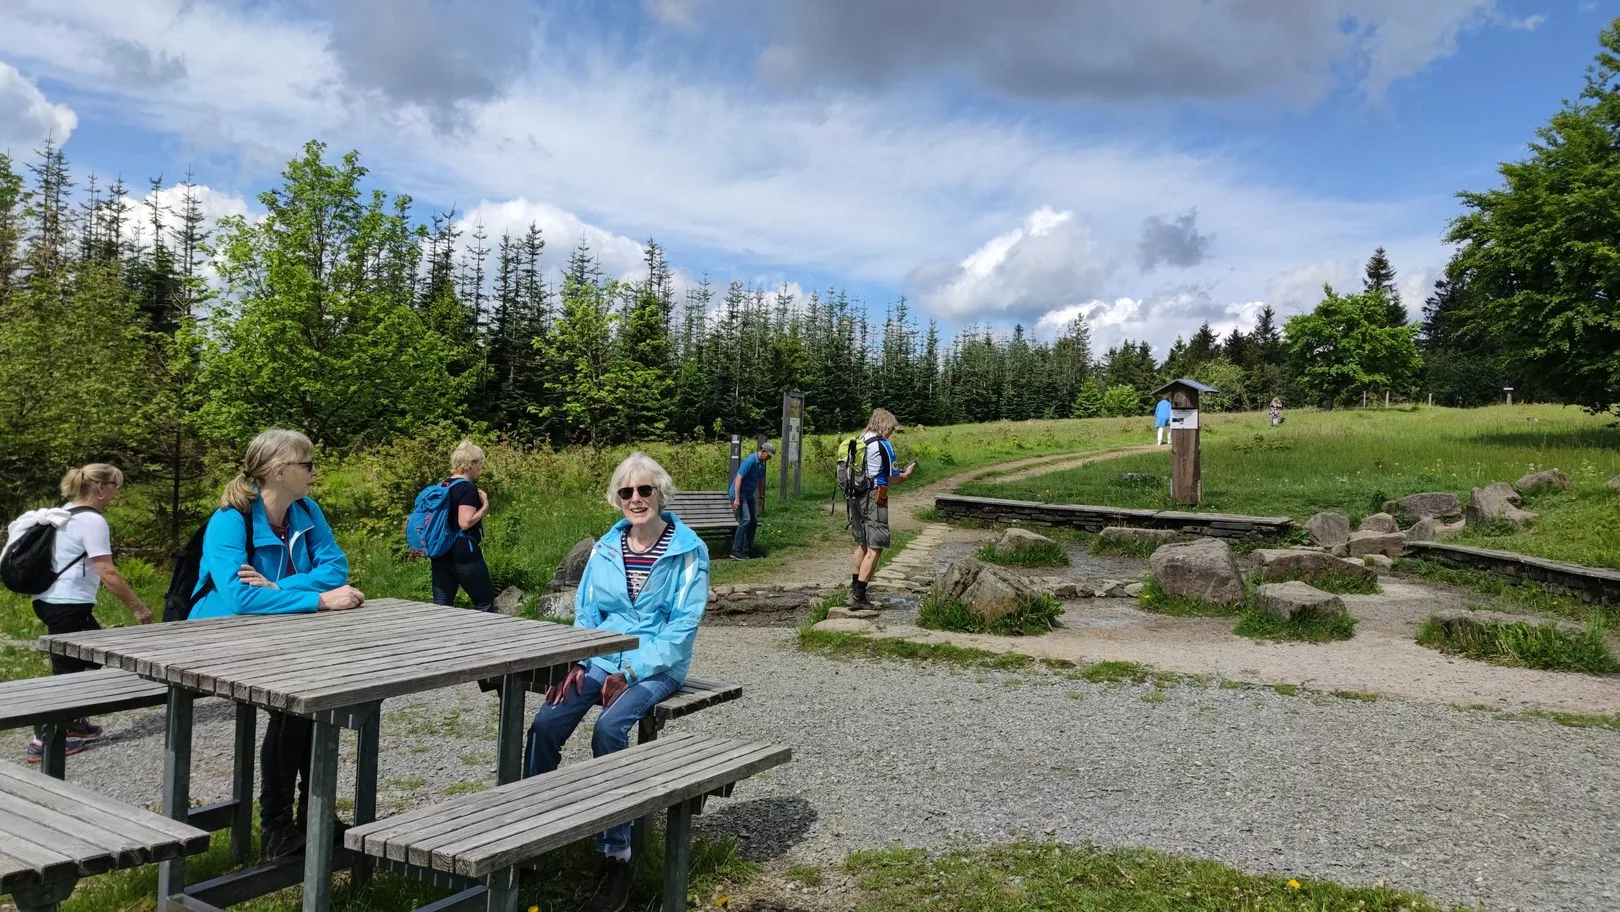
[(74, 511)]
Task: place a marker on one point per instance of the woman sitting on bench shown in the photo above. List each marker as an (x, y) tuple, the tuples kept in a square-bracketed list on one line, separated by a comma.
[(648, 577)]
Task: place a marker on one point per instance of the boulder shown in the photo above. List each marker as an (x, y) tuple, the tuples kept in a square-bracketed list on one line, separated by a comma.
[(1434, 505), (1552, 478), (1277, 565), (1382, 561), (1015, 538), (510, 601), (1133, 590), (1379, 522), (1329, 530), (1124, 535), (1614, 483), (1202, 569), (558, 605), (844, 611), (988, 591), (1495, 502), (1291, 600), (572, 567), (1391, 544), (845, 625), (1426, 529)]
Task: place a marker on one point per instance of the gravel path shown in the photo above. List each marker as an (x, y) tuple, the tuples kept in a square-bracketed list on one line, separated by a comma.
[(1459, 805)]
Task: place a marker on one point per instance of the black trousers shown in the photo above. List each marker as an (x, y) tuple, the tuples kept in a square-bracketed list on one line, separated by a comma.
[(284, 765), (67, 619), (463, 566)]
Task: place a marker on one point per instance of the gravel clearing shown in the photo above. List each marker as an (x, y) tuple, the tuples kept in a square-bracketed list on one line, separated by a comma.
[(1462, 806)]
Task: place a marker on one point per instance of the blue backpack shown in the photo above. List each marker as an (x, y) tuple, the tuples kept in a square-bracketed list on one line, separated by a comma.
[(429, 530)]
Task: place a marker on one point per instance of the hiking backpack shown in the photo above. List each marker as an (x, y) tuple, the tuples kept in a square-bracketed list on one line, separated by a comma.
[(183, 594), (30, 551), (852, 477), (428, 530)]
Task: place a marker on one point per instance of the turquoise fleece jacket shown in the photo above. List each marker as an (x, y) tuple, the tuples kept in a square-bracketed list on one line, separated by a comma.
[(664, 617), (317, 561)]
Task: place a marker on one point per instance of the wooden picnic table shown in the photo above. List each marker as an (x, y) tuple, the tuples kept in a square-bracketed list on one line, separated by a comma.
[(334, 668)]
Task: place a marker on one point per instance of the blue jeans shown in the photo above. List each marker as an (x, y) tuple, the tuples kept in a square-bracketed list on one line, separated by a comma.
[(554, 723), (742, 542)]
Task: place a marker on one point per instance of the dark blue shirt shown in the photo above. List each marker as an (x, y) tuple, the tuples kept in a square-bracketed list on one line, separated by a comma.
[(752, 471)]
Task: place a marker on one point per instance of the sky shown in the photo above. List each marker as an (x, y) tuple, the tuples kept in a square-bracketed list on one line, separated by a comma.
[(1150, 165)]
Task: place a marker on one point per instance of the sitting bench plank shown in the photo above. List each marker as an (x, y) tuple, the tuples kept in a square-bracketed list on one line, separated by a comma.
[(704, 511), (53, 701), (487, 834), (55, 833)]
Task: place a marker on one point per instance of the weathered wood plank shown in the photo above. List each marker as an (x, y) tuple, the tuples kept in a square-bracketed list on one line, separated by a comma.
[(105, 691), (695, 694), (17, 780)]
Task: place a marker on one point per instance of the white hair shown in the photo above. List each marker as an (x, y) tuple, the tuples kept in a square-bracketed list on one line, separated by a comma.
[(639, 465)]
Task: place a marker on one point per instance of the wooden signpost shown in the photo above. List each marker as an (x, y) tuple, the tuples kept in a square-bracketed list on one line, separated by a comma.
[(1186, 482)]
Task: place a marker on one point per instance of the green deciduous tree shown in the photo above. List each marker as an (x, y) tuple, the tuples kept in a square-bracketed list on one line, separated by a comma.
[(1346, 347)]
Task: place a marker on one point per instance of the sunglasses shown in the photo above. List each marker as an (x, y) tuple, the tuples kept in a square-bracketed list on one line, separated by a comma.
[(308, 464), (645, 491)]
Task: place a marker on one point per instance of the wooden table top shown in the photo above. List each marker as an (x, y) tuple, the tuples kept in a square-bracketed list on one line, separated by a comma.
[(309, 663)]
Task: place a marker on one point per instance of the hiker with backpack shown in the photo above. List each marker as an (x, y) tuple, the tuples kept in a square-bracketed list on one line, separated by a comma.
[(461, 563), (866, 472), (268, 550), (60, 557), (648, 577)]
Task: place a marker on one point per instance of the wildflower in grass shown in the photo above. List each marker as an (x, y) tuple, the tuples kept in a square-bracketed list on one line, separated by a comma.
[(1293, 885)]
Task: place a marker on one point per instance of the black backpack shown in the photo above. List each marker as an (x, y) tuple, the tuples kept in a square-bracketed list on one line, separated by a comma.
[(26, 568), (178, 599)]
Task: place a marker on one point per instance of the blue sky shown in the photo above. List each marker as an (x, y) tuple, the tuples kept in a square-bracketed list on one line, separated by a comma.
[(1148, 165)]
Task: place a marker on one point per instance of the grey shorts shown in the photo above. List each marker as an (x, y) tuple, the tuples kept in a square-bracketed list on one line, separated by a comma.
[(868, 522)]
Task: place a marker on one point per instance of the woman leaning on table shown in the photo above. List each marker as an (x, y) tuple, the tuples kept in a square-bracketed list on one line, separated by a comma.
[(648, 577), (296, 568)]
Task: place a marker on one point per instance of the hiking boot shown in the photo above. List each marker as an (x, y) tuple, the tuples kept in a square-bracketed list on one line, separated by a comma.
[(613, 890), (36, 749), (280, 841), (82, 729), (737, 555)]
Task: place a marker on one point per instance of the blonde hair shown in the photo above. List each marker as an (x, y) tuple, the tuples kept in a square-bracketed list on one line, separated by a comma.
[(465, 454), (640, 465), (78, 482), (271, 449), (882, 422)]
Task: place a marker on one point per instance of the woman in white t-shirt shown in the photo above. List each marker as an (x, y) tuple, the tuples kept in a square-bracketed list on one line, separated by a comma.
[(83, 557)]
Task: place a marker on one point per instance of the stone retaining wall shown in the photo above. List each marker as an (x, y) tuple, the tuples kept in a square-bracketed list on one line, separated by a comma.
[(1095, 519), (1591, 584)]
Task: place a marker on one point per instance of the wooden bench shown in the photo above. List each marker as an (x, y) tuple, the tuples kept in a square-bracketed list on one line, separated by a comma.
[(708, 513), (53, 833), (53, 702), (475, 844)]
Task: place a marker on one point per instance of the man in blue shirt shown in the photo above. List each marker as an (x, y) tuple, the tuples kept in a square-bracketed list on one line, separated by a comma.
[(1161, 418), (747, 489)]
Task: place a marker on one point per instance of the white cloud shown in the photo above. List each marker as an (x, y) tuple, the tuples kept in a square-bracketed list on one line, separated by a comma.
[(27, 117), (619, 256), (1049, 260)]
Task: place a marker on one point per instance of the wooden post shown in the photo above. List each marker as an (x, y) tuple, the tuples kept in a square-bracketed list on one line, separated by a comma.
[(1186, 487), (1386, 398), (1431, 400)]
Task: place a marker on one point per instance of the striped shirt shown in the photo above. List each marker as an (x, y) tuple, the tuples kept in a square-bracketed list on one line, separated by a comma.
[(638, 565)]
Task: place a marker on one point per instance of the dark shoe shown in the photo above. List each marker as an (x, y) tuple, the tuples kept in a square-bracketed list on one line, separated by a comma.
[(755, 552), (36, 749), (82, 729), (613, 890), (280, 842), (736, 556)]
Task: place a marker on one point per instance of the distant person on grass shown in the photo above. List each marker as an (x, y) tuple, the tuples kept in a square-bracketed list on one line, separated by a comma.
[(1276, 411), (747, 489), (1161, 418), (648, 577), (463, 565), (869, 512), (83, 559), (297, 568)]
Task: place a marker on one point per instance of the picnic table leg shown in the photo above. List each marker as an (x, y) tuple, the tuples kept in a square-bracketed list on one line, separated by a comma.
[(54, 761), (176, 786), (646, 730), (323, 763), (677, 856), (503, 891), (365, 787), (242, 783), (509, 739), (44, 898)]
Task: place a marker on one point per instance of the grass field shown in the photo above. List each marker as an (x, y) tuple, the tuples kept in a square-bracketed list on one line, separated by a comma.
[(1353, 461)]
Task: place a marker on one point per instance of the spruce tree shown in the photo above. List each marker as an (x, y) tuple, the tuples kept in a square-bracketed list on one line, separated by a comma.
[(1379, 279)]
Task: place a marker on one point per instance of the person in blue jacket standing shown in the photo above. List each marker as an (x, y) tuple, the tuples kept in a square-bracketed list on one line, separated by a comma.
[(1161, 418), (648, 577), (296, 567), (747, 489)]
